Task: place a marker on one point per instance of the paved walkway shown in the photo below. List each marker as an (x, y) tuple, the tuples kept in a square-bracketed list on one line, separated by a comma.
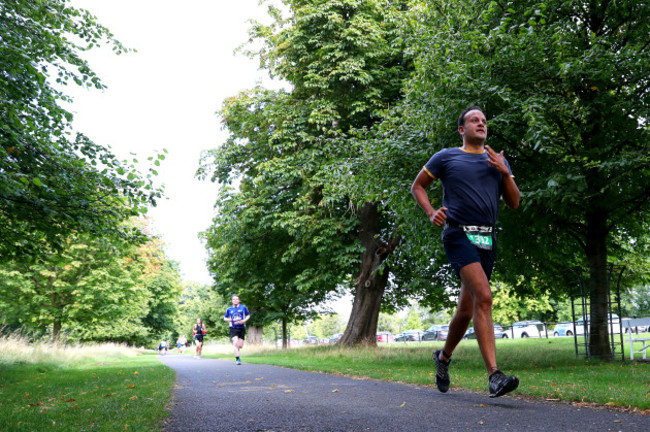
[(217, 395)]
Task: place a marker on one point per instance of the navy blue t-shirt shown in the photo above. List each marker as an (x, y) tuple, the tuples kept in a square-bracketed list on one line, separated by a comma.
[(237, 314), (470, 187)]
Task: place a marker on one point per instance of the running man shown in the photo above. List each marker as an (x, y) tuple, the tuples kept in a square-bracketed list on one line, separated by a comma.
[(198, 332), (181, 342), (473, 178), (162, 347), (236, 316)]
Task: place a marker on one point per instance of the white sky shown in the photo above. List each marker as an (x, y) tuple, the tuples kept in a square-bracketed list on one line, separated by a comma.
[(165, 96)]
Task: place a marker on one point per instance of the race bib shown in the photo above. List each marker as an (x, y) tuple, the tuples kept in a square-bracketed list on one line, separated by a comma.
[(479, 236)]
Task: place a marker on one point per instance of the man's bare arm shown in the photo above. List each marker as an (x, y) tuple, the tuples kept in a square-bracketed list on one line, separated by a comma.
[(418, 190)]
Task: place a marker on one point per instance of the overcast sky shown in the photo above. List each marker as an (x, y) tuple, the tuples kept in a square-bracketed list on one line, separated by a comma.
[(165, 96)]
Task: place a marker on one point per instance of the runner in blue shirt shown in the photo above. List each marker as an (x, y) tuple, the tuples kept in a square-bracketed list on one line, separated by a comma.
[(236, 316), (473, 179)]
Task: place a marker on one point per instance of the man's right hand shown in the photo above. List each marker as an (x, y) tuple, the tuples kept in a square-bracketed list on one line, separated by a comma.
[(439, 216)]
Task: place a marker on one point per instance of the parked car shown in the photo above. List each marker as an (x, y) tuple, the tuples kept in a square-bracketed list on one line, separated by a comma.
[(498, 333), (469, 333), (410, 335), (524, 329), (437, 332), (614, 325), (310, 340), (563, 329), (335, 338), (384, 336)]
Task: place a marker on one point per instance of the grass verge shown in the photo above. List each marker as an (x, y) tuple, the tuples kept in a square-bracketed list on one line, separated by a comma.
[(547, 368), (79, 388)]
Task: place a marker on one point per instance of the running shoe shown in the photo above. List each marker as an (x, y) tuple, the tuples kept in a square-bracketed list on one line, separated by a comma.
[(501, 384), (442, 372), (238, 362)]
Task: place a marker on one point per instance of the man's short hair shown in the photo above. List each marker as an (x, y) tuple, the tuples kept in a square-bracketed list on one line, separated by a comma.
[(461, 119)]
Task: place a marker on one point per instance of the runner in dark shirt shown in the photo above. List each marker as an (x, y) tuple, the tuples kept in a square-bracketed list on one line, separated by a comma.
[(198, 332), (473, 179)]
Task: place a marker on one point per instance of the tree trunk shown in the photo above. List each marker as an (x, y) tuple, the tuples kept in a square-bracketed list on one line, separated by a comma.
[(255, 335), (596, 251), (284, 333), (370, 284), (56, 331), (57, 325)]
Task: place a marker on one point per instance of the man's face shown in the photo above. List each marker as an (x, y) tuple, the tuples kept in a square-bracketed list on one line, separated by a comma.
[(235, 300), (475, 127)]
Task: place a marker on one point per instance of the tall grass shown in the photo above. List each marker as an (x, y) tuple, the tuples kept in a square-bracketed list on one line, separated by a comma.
[(46, 386), (17, 349)]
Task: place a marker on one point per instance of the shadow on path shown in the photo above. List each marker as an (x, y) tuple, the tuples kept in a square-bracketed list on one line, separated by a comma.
[(217, 395)]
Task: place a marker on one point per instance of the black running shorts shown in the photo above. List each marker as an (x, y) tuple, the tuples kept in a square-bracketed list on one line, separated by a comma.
[(461, 252), (239, 332)]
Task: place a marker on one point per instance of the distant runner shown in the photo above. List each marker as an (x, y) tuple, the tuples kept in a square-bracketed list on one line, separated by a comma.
[(162, 347), (236, 316), (198, 331), (181, 342)]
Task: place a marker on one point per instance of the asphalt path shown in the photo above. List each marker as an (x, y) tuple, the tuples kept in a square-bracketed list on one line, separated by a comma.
[(217, 395)]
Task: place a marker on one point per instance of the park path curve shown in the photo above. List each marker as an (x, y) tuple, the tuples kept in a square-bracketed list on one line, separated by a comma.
[(217, 395)]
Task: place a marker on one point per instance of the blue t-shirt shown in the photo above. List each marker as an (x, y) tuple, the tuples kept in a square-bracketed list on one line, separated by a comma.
[(237, 314), (470, 187)]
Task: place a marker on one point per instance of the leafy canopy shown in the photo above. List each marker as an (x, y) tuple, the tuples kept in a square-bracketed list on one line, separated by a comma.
[(53, 181)]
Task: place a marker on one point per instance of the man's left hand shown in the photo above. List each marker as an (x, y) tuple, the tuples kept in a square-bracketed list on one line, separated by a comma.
[(497, 160)]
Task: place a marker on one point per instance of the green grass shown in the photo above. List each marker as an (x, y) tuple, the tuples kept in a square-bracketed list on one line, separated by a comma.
[(47, 387), (109, 389), (547, 368)]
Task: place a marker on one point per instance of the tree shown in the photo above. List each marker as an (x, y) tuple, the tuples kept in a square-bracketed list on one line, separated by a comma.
[(391, 323), (325, 326), (200, 301), (413, 320), (93, 290), (567, 99), (86, 283), (637, 301), (53, 181), (281, 268), (508, 306), (344, 63), (160, 278)]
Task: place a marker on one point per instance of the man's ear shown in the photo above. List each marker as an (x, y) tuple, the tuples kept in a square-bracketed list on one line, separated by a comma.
[(461, 130)]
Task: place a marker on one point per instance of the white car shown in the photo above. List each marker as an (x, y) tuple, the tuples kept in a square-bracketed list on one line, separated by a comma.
[(614, 325), (525, 329), (563, 329)]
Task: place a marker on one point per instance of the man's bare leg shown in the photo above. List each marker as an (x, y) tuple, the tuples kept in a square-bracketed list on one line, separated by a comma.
[(459, 322), (475, 301)]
